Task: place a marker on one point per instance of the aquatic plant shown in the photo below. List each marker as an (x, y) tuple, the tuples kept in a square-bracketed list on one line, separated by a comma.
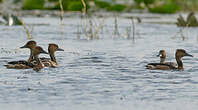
[(117, 7), (133, 25), (130, 31), (33, 4), (11, 19), (75, 6), (146, 2), (26, 29), (84, 7), (116, 32), (188, 5), (191, 21), (89, 28), (72, 5), (102, 4), (164, 8), (62, 11)]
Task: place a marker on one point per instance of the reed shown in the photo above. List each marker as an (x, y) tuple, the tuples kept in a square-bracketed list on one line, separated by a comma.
[(84, 7), (78, 32), (84, 26), (182, 34), (128, 32), (98, 28), (116, 31), (62, 11), (91, 29), (26, 29), (133, 29), (90, 32)]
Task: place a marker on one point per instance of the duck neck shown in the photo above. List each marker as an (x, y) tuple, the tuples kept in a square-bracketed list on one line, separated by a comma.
[(162, 60), (38, 61), (31, 56), (52, 56), (179, 63)]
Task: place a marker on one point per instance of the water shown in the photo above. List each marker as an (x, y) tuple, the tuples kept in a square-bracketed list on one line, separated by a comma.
[(108, 73)]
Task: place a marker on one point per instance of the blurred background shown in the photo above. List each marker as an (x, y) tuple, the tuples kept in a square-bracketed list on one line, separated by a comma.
[(153, 6)]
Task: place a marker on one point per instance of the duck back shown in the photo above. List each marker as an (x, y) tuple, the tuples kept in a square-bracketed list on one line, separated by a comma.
[(21, 64), (160, 66)]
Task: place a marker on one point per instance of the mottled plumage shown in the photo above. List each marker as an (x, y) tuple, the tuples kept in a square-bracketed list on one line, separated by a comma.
[(51, 62), (36, 52), (163, 66), (37, 65), (22, 64), (162, 55)]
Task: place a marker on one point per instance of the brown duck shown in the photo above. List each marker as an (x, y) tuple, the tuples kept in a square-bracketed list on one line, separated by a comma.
[(51, 62), (25, 64), (38, 63), (178, 56), (162, 55), (31, 45)]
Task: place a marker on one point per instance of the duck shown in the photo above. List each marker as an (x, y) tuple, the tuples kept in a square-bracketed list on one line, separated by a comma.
[(22, 64), (51, 62), (179, 54), (162, 55), (31, 45), (38, 65)]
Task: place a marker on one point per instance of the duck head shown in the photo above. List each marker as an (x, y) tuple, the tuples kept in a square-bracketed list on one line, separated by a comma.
[(30, 44), (54, 48), (162, 54), (38, 50), (181, 53)]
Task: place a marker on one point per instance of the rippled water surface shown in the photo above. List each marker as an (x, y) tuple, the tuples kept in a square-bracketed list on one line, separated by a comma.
[(104, 74)]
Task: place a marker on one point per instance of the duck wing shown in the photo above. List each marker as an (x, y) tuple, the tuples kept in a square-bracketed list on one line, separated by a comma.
[(160, 66), (171, 63), (21, 64)]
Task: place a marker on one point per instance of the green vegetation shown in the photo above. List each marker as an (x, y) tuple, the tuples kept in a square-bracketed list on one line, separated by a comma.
[(102, 4), (154, 6), (191, 21), (160, 6), (117, 7), (165, 8), (70, 5), (75, 6), (146, 2), (33, 4)]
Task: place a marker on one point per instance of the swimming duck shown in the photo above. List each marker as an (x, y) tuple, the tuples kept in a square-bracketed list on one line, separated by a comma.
[(161, 66), (162, 55), (51, 62), (36, 52), (31, 45), (25, 64)]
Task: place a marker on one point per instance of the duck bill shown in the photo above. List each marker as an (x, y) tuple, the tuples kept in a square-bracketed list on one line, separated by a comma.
[(25, 46), (159, 55), (59, 49), (188, 55)]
